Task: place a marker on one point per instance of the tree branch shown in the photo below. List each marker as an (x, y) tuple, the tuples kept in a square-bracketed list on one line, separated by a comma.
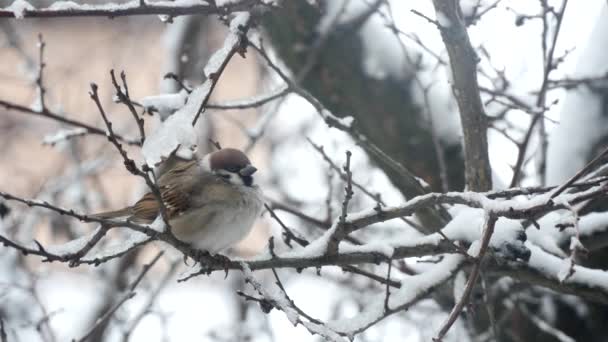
[(61, 9), (463, 64)]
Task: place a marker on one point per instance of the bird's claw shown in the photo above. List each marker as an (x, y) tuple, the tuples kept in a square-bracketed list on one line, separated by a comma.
[(224, 261)]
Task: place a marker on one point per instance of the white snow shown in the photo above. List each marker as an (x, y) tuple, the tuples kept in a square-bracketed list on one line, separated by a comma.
[(468, 226), (254, 99), (382, 248), (71, 5), (347, 121), (18, 7), (564, 269), (274, 294), (219, 57), (554, 268), (593, 223), (71, 246), (62, 135), (467, 6), (548, 237), (125, 242), (158, 224), (165, 104), (176, 134), (443, 19)]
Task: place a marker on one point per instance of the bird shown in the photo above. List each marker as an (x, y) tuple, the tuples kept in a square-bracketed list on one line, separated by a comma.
[(211, 202)]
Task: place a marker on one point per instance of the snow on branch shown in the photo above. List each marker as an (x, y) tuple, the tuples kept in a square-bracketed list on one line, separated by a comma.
[(177, 134), (500, 234), (543, 269), (23, 9), (276, 297)]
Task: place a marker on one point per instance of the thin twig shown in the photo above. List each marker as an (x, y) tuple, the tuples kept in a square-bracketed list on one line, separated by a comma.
[(3, 337), (39, 79), (580, 173), (128, 162), (150, 301), (123, 96), (216, 69), (46, 113), (485, 242), (388, 290), (339, 234)]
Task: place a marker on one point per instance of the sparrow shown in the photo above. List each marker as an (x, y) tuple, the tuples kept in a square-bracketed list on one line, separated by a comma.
[(211, 203)]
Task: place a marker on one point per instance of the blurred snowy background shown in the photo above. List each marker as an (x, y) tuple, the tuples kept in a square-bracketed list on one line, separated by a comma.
[(53, 302)]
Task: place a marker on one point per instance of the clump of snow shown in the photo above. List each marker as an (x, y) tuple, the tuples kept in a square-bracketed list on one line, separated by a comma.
[(468, 7), (71, 5), (347, 121), (547, 237), (72, 246), (381, 248), (219, 57), (165, 104), (325, 332), (576, 244), (158, 224), (274, 294), (118, 246), (18, 7), (316, 248), (443, 20), (466, 225), (240, 20), (176, 134), (593, 223), (555, 268), (565, 269)]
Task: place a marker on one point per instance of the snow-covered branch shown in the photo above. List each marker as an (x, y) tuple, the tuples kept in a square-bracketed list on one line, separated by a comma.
[(22, 9)]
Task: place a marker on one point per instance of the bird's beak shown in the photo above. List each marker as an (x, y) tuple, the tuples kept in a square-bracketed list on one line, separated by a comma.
[(247, 171)]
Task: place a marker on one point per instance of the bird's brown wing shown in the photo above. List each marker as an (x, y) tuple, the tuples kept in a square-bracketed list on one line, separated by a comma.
[(175, 188)]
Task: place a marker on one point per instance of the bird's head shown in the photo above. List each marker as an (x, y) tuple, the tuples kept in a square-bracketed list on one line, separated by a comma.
[(232, 165)]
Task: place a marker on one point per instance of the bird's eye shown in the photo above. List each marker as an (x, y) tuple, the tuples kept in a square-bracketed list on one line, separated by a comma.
[(232, 169), (224, 176)]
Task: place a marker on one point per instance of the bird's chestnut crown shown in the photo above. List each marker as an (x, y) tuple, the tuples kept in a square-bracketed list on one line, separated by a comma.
[(229, 162)]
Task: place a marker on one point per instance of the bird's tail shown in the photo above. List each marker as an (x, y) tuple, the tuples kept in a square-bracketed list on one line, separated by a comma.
[(116, 214)]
